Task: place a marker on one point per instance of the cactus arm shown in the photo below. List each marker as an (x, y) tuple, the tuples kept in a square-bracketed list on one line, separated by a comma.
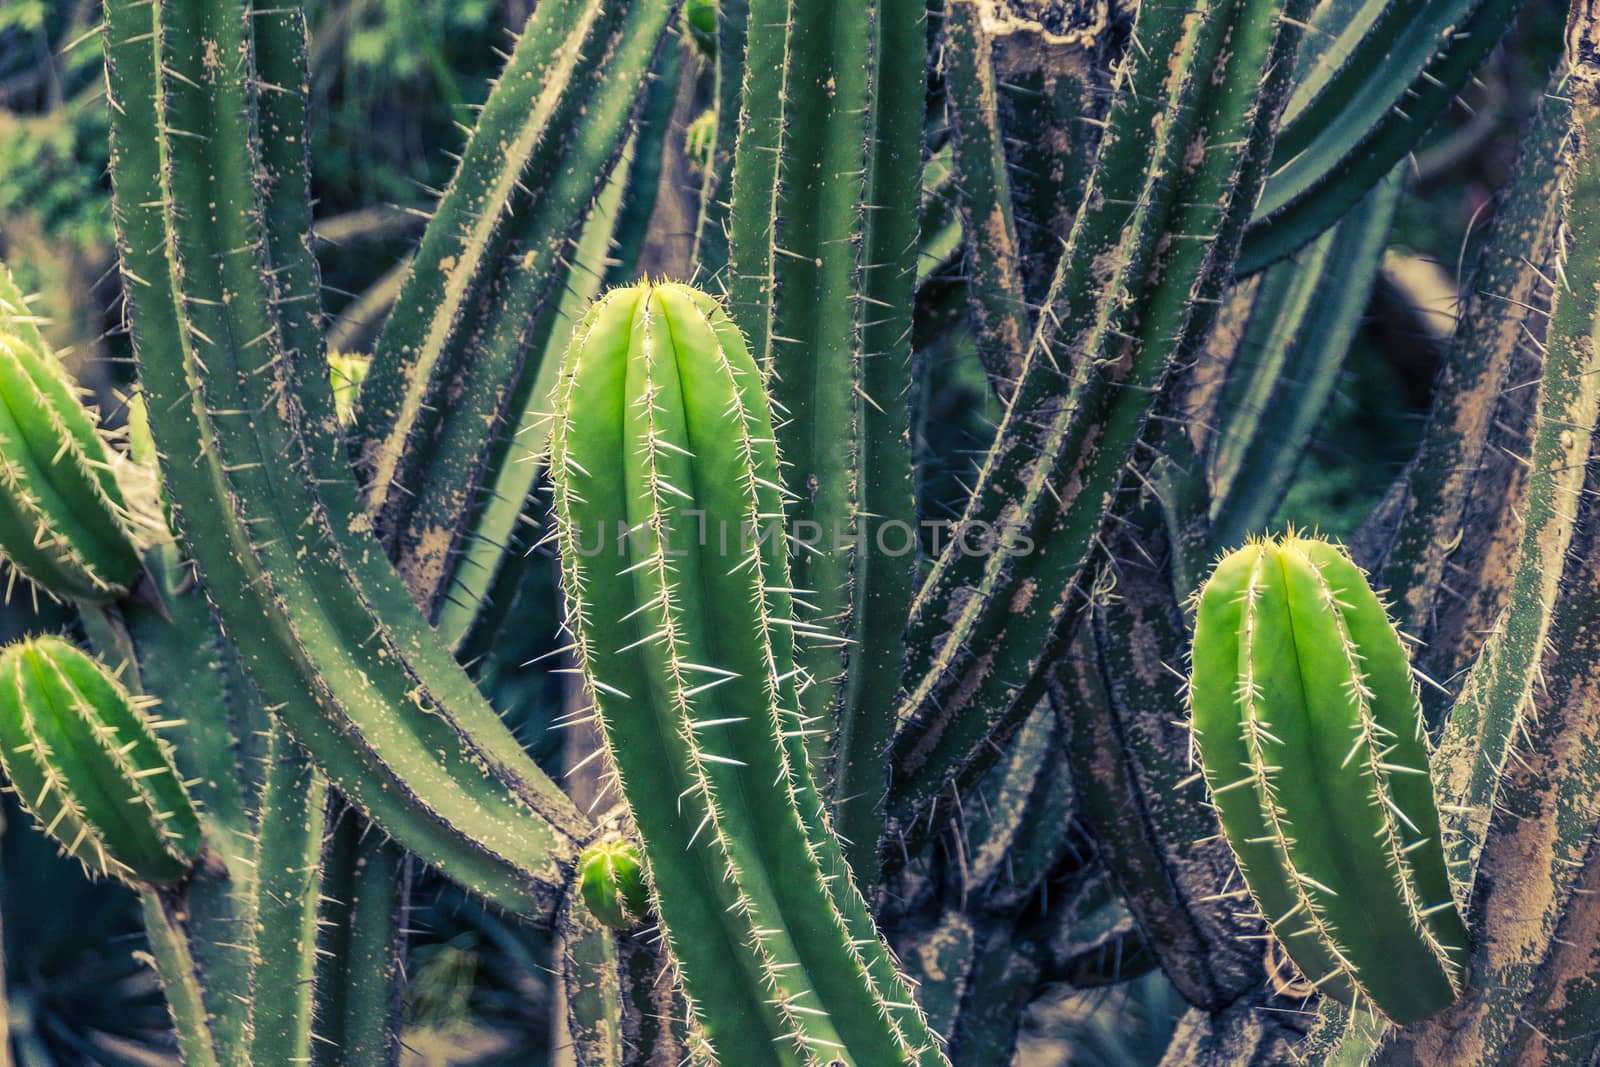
[(1020, 605), (181, 979), (300, 608), (495, 545), (1301, 325), (366, 881), (711, 230), (490, 268), (1492, 353), (289, 886), (645, 158), (588, 964), (1486, 717), (1391, 84), (983, 190), (1141, 799), (1310, 734), (734, 903), (882, 564)]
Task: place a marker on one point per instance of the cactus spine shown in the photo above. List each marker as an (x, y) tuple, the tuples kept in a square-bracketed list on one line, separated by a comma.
[(1310, 733), (84, 758), (667, 494)]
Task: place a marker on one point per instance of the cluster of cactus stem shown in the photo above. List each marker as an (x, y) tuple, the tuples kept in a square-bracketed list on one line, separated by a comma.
[(867, 778)]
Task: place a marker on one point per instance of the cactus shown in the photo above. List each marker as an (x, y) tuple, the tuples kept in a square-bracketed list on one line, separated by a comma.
[(816, 757), (678, 590), (84, 757), (1310, 731), (64, 523)]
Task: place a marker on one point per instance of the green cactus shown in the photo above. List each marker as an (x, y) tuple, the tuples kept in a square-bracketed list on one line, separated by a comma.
[(1309, 728), (84, 757), (670, 524), (818, 758), (64, 523)]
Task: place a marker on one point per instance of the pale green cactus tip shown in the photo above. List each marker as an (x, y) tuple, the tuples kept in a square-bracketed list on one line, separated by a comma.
[(611, 879), (84, 757), (700, 140), (346, 372), (1309, 730), (65, 521)]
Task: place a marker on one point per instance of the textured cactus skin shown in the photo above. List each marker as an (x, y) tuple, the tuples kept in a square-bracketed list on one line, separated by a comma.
[(1310, 732), (63, 521), (686, 643), (611, 878), (84, 757)]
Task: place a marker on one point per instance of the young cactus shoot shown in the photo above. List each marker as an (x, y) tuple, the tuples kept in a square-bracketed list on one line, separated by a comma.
[(84, 758), (1308, 726)]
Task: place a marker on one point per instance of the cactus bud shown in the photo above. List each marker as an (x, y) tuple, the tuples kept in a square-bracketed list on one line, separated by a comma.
[(63, 520), (84, 758), (346, 372), (700, 140), (1307, 723), (611, 879)]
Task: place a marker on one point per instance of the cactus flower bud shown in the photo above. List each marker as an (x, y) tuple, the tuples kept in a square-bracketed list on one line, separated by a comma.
[(1308, 726), (611, 879), (84, 758)]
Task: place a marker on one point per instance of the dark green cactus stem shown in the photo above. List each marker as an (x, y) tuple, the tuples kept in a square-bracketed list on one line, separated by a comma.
[(588, 964), (827, 176), (611, 880), (1310, 733), (252, 458), (366, 882), (291, 820), (84, 758), (1182, 153), (1461, 489), (716, 192), (1392, 71), (1120, 696), (670, 527), (63, 521), (1486, 719), (1292, 353), (983, 189), (491, 268)]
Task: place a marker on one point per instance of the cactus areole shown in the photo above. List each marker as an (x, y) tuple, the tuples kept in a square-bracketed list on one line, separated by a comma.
[(1307, 723)]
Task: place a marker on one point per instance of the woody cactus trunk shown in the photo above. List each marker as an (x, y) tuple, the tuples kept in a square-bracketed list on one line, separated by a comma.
[(881, 751)]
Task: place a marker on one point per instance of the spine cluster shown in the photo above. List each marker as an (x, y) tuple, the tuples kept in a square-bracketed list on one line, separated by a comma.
[(1310, 732)]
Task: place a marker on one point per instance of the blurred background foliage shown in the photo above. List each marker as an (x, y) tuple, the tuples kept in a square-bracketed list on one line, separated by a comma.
[(394, 84)]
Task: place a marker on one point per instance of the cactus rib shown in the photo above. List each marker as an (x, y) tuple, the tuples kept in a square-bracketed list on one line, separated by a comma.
[(1302, 321), (1310, 734), (396, 725)]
